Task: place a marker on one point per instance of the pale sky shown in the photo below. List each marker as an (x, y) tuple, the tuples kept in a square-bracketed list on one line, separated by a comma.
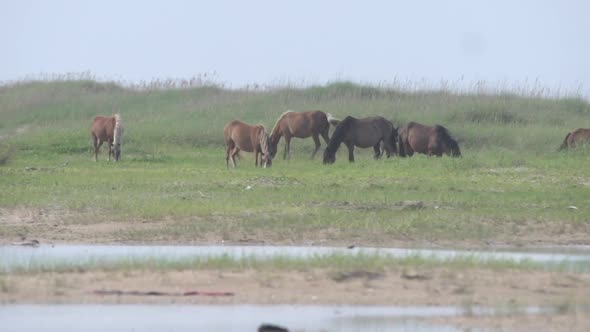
[(304, 41)]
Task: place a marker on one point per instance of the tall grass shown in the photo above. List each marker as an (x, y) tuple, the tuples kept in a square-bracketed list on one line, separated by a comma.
[(335, 262), (53, 117)]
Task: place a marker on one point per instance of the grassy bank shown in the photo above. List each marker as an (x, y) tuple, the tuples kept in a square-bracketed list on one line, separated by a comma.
[(511, 186), (336, 262)]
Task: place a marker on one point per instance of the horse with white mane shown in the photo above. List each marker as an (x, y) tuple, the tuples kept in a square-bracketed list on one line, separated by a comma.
[(108, 129)]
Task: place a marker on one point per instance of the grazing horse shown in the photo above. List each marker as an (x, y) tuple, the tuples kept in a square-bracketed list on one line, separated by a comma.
[(241, 136), (363, 133), (301, 125), (415, 137), (579, 136), (107, 129)]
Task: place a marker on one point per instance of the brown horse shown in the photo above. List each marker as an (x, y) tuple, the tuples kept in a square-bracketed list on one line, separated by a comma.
[(241, 136), (415, 137), (363, 133), (301, 125), (107, 129), (577, 137)]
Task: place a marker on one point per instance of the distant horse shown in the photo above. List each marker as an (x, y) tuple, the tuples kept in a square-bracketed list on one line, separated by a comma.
[(415, 137), (241, 136), (301, 125), (108, 129), (363, 133), (577, 137)]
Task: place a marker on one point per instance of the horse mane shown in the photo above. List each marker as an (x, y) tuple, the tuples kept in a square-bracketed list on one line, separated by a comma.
[(332, 120), (339, 133), (118, 131), (276, 126)]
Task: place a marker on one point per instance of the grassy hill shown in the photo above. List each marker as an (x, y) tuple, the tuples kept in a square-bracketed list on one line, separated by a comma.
[(510, 182), (56, 116)]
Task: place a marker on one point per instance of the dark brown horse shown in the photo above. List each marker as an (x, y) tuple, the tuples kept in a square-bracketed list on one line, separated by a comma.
[(301, 125), (241, 136), (577, 137), (108, 129), (415, 137), (363, 133)]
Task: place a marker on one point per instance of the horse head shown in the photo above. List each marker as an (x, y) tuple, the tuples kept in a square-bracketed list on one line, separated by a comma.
[(272, 148), (117, 150), (117, 137), (329, 156), (265, 147), (266, 160), (454, 148)]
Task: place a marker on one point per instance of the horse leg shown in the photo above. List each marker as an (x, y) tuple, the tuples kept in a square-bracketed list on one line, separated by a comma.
[(325, 135), (110, 143), (288, 141), (350, 152), (434, 149), (316, 140), (96, 143), (409, 151), (233, 155), (256, 157), (227, 155), (390, 145), (429, 152), (377, 149), (287, 154)]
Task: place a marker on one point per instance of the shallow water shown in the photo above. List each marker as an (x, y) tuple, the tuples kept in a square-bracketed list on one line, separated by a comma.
[(231, 318), (22, 258)]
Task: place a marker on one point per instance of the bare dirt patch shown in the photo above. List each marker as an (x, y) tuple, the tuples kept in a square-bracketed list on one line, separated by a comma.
[(442, 286), (55, 225)]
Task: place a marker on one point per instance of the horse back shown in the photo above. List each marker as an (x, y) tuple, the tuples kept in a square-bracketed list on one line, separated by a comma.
[(579, 136), (304, 124), (418, 136), (245, 136), (103, 127)]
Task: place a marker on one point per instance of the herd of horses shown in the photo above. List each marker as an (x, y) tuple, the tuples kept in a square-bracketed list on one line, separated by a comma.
[(376, 132)]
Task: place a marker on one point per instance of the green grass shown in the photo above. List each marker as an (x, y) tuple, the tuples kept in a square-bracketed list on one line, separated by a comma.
[(511, 182), (335, 262)]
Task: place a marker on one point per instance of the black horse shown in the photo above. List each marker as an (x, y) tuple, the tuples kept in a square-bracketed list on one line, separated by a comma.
[(363, 133)]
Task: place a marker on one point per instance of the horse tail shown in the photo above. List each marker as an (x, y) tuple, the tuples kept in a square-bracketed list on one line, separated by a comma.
[(332, 120), (394, 138), (564, 144), (443, 134), (402, 137)]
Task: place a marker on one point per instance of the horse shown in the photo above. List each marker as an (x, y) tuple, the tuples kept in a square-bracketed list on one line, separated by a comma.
[(363, 133), (579, 136), (429, 140), (301, 125), (107, 129), (241, 136)]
